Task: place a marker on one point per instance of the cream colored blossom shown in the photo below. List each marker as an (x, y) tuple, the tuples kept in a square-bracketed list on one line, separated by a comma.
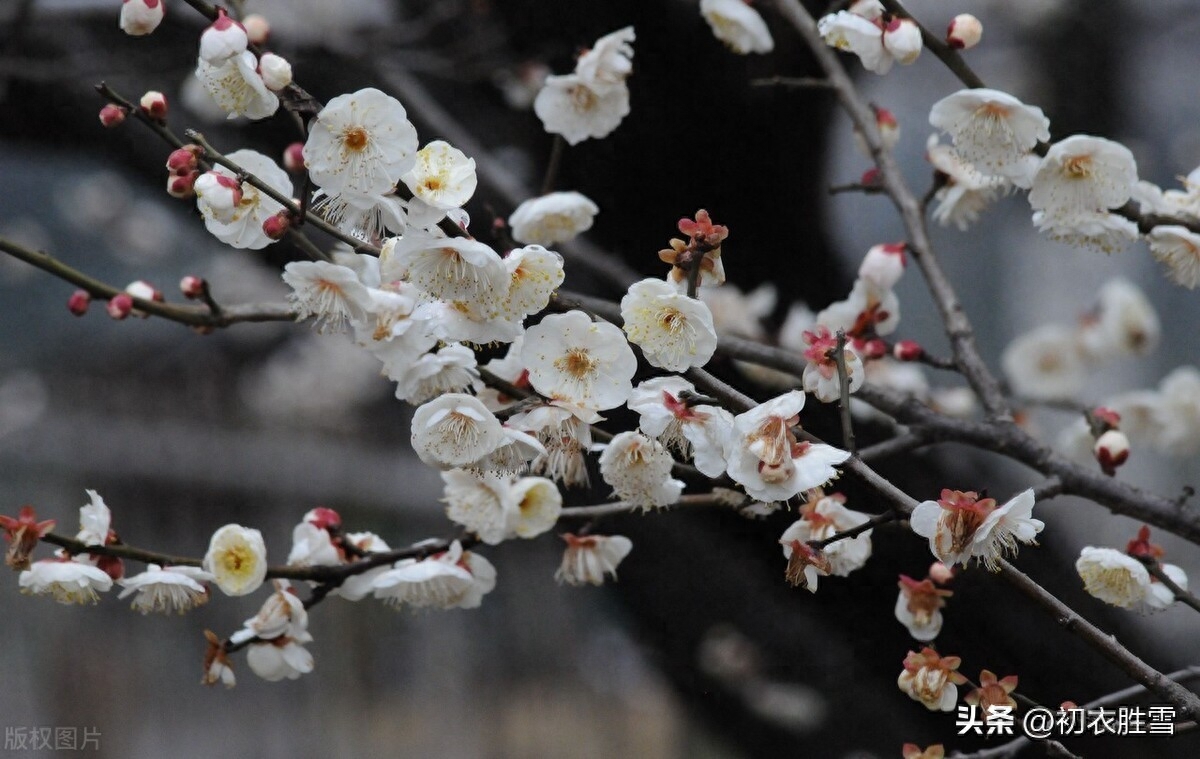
[(237, 559)]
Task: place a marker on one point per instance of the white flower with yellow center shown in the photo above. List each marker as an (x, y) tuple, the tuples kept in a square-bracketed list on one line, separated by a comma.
[(237, 559), (68, 582), (1080, 176), (564, 433), (166, 590), (574, 359), (588, 558), (1122, 580), (737, 25), (330, 292), (557, 217), (534, 274), (447, 580), (237, 87), (478, 503), (675, 332), (992, 130), (699, 432), (580, 109), (450, 370), (1179, 249), (538, 504), (236, 218), (361, 142), (455, 430), (639, 471), (443, 177), (453, 269)]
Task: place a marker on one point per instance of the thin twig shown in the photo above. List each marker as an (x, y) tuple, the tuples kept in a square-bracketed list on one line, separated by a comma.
[(1155, 568), (557, 148), (793, 82), (844, 393)]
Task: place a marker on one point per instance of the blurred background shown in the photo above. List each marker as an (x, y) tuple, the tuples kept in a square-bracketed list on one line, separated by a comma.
[(701, 650)]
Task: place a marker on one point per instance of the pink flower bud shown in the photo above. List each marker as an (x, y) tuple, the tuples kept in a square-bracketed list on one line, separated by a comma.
[(119, 306), (258, 29), (183, 160), (222, 40), (142, 289), (908, 350), (277, 226), (154, 103), (1107, 416), (940, 573), (140, 17), (182, 185), (293, 157), (324, 518), (112, 115), (78, 302), (222, 194), (1111, 450), (872, 349), (276, 72), (889, 128), (883, 265), (192, 287), (902, 38), (871, 178), (965, 32)]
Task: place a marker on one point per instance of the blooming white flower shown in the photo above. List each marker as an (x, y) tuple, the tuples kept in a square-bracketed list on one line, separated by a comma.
[(805, 563), (538, 504), (234, 213), (447, 580), (513, 456), (367, 217), (821, 376), (237, 559), (282, 615), (450, 370), (867, 308), (992, 130), (312, 546), (766, 458), (140, 17), (222, 39), (822, 518), (574, 359), (639, 471), (919, 607), (580, 109), (68, 582), (453, 269), (610, 59), (588, 558), (738, 25), (442, 177), (1045, 363), (360, 142), (931, 679), (1179, 249), (965, 192), (359, 586), (534, 274), (1082, 175), (237, 87), (284, 658), (902, 40), (675, 332), (1123, 322), (1103, 231), (95, 519), (856, 34), (330, 292), (1121, 580), (961, 526), (557, 217), (454, 431), (564, 432), (479, 503), (700, 432), (166, 589), (467, 321)]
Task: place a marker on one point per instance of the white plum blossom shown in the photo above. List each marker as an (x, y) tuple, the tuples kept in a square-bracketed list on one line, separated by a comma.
[(451, 369), (902, 40), (867, 308), (1122, 580), (1122, 323), (312, 540), (639, 471), (573, 359), (564, 432), (552, 218), (447, 580), (166, 589), (454, 430), (237, 559), (479, 503), (237, 87), (1046, 363), (538, 504), (222, 39), (821, 375), (700, 432), (141, 17), (275, 70), (1178, 248), (1082, 175), (573, 107), (364, 216), (962, 526), (281, 615), (284, 658), (675, 332), (855, 34), (738, 25), (68, 582), (442, 177), (883, 265), (534, 274), (95, 518), (361, 142), (453, 269), (467, 322), (234, 213), (1103, 231), (589, 558), (965, 191), (992, 130), (512, 456), (610, 59), (330, 292), (359, 586), (766, 458), (931, 679), (822, 518), (919, 607)]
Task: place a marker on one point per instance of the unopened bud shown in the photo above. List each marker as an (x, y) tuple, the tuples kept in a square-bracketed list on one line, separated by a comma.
[(142, 289), (1104, 419), (222, 40), (324, 518), (140, 17), (871, 178), (902, 38), (182, 185), (872, 349), (192, 287), (78, 302), (889, 128), (277, 226), (183, 160), (258, 29), (940, 573), (293, 157), (119, 306), (883, 265), (154, 103), (222, 194), (908, 350), (965, 32), (112, 115), (868, 9), (1111, 450), (276, 72)]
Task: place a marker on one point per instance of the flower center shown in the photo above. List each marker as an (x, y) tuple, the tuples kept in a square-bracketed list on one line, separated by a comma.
[(577, 363), (582, 98), (1078, 167), (355, 138), (672, 320), (234, 558)]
